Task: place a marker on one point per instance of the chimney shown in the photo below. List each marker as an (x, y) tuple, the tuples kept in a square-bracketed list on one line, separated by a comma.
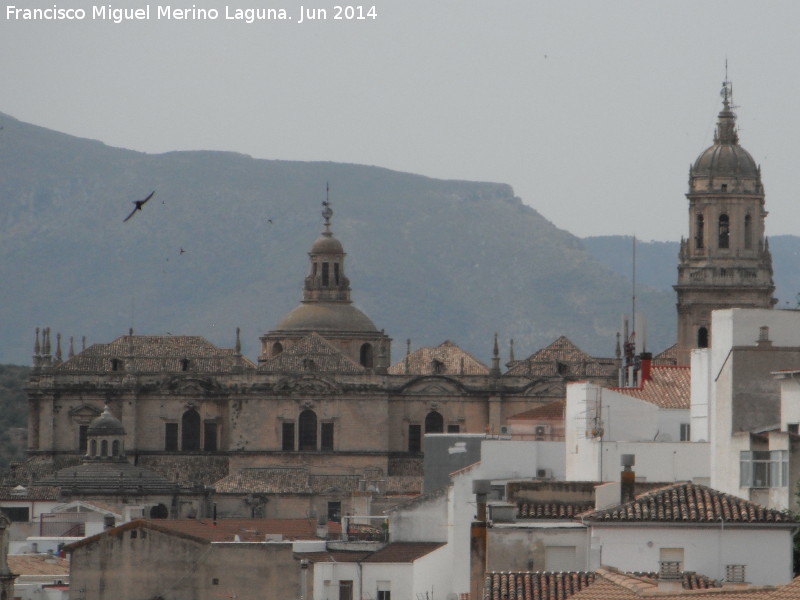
[(646, 362), (763, 337), (627, 478)]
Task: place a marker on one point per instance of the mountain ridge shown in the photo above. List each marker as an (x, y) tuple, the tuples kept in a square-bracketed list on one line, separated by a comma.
[(428, 259)]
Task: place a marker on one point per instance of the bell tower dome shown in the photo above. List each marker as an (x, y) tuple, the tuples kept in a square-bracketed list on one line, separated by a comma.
[(725, 262)]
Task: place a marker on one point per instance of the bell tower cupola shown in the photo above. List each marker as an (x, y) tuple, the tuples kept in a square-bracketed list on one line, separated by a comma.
[(725, 262), (327, 281)]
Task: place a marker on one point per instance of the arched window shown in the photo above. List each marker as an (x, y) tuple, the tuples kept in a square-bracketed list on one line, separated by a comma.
[(336, 273), (159, 511), (104, 448), (115, 448), (325, 274), (724, 231), (184, 364), (748, 232), (190, 430), (702, 338), (93, 448), (277, 348), (307, 430), (434, 423), (699, 232), (366, 359)]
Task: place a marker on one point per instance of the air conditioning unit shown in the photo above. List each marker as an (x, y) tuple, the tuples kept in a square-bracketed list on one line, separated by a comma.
[(544, 473), (504, 430)]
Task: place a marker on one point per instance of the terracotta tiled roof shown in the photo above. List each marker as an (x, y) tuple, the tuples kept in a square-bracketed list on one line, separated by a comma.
[(452, 360), (221, 530), (156, 353), (404, 484), (34, 492), (267, 480), (668, 387), (688, 503), (610, 584), (109, 478), (562, 357), (790, 591), (38, 564), (37, 467), (402, 552), (534, 585), (284, 480), (689, 580), (550, 410), (311, 354), (552, 510)]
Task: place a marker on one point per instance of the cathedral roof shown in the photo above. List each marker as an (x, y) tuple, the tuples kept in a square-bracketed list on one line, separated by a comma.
[(327, 244), (284, 480), (446, 358), (326, 317), (310, 354), (562, 357), (156, 353), (109, 478)]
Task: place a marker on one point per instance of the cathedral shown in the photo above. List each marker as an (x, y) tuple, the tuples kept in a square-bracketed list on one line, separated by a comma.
[(323, 401), (323, 395)]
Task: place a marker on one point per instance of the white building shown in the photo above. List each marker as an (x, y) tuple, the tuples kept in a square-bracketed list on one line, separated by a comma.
[(651, 421)]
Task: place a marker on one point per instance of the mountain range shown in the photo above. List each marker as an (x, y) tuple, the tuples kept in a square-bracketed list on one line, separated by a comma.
[(224, 241)]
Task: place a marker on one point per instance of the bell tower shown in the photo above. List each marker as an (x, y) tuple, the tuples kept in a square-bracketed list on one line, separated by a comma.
[(725, 262)]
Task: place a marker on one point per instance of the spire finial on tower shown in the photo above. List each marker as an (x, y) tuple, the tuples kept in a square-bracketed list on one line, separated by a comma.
[(511, 351), (495, 370), (37, 349), (327, 211), (238, 342), (58, 347), (71, 351)]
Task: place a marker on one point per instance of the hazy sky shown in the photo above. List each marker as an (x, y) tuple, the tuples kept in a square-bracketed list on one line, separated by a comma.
[(591, 110)]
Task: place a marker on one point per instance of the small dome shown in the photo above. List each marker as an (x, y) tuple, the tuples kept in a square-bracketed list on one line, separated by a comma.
[(725, 160), (106, 424), (327, 244), (326, 317)]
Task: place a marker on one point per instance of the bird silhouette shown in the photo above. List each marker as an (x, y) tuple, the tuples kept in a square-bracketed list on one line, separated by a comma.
[(139, 204), (183, 251)]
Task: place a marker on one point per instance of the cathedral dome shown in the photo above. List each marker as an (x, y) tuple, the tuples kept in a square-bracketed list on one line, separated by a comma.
[(323, 317), (725, 160), (327, 244), (106, 424)]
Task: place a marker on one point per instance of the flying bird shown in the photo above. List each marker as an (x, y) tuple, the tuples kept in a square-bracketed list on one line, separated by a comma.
[(139, 204), (183, 251)]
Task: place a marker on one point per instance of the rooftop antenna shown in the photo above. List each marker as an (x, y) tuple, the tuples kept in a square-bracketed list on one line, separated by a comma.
[(633, 292)]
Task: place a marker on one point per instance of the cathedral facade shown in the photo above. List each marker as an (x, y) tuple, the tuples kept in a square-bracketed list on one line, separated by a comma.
[(323, 394)]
